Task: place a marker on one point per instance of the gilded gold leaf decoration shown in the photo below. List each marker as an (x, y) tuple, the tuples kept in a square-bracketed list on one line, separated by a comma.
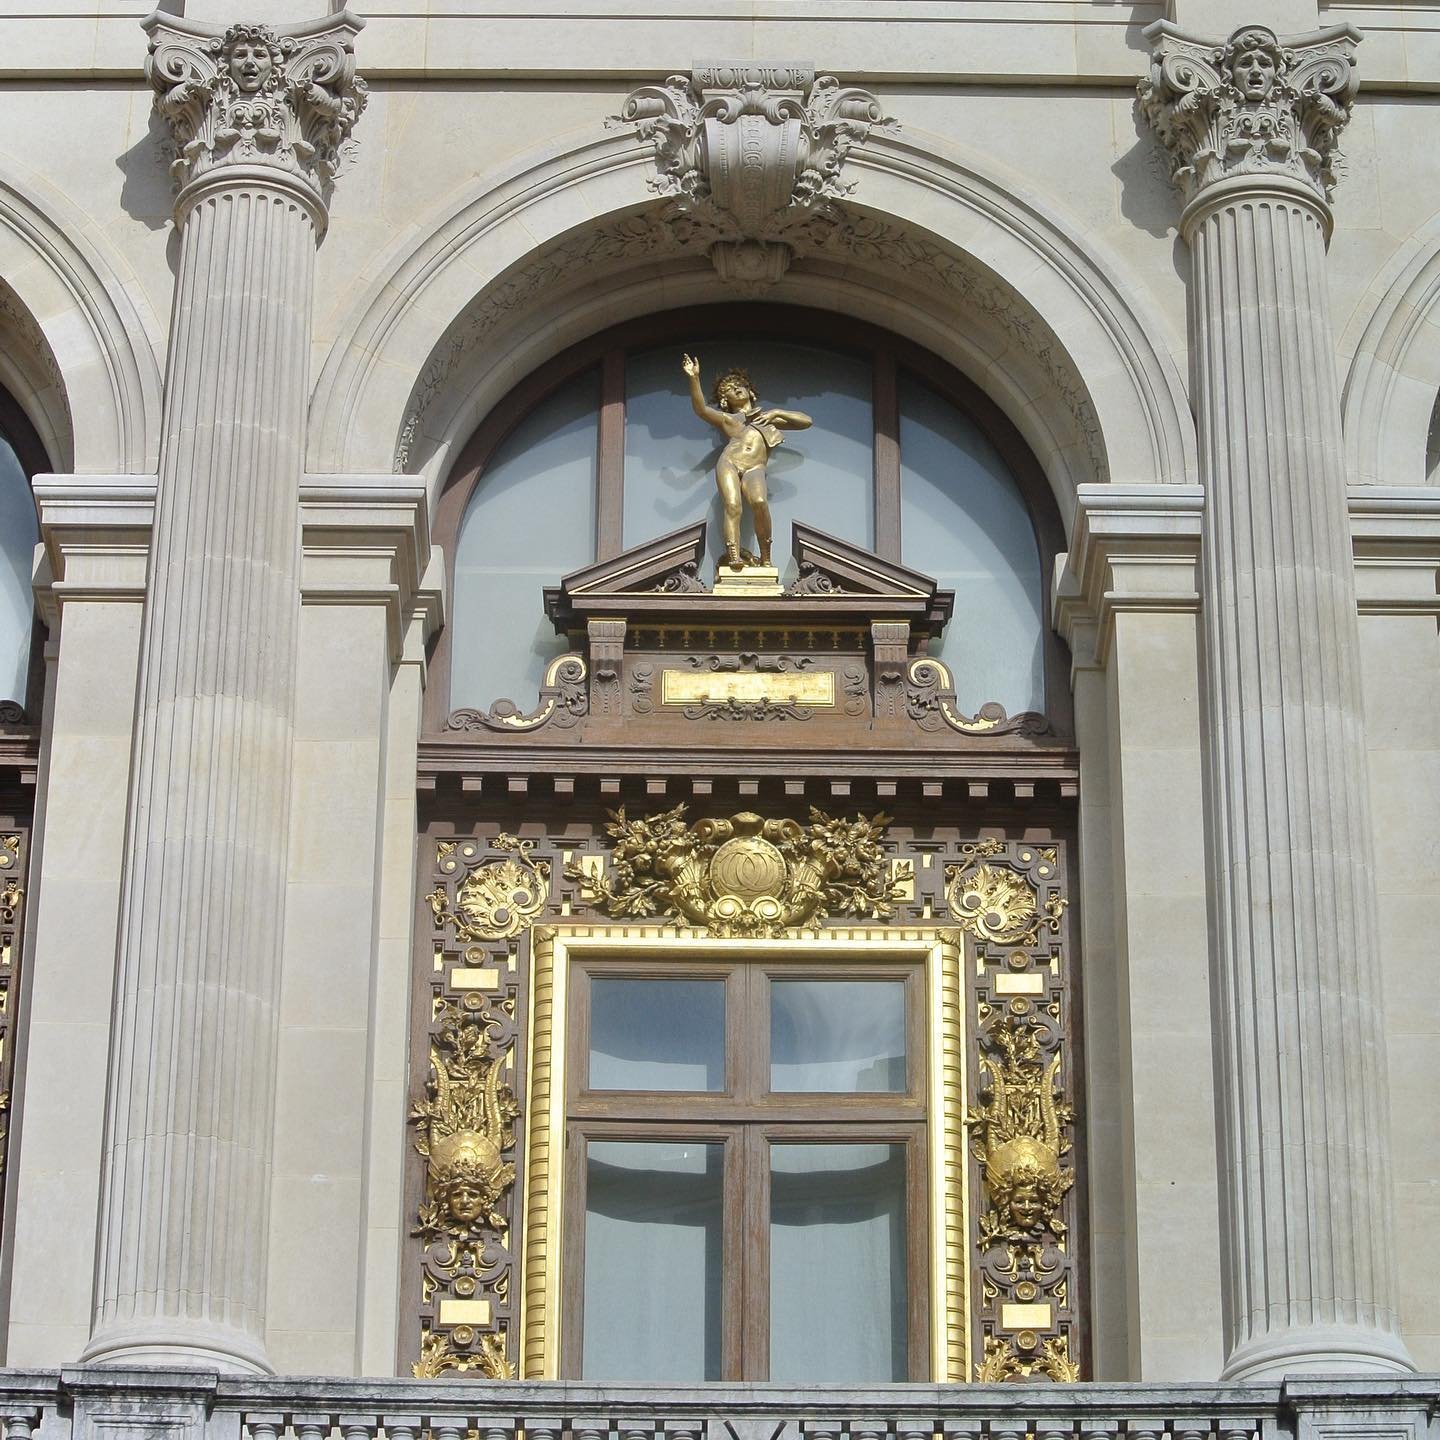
[(466, 1121), (1017, 1131), (438, 1355), (996, 903), (744, 876), (498, 898), (1001, 1361)]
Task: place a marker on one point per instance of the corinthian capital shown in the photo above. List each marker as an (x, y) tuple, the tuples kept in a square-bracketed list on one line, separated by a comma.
[(748, 153), (1250, 105), (284, 98)]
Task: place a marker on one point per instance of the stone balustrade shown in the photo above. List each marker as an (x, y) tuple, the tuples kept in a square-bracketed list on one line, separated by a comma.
[(101, 1403)]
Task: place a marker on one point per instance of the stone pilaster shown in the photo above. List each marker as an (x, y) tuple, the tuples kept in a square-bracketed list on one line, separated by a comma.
[(258, 117), (1251, 126)]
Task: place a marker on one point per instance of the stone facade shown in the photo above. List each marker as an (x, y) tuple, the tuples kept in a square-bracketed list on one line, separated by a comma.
[(265, 271)]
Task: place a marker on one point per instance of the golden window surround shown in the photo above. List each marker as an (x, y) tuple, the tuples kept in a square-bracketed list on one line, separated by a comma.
[(552, 952)]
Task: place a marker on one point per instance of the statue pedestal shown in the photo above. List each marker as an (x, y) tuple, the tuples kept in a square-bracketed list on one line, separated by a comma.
[(747, 580)]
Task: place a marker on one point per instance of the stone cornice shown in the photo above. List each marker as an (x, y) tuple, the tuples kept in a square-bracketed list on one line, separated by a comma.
[(366, 541), (1252, 106), (256, 103), (1133, 548)]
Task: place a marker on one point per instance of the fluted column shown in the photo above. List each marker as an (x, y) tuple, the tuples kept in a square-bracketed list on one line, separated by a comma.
[(258, 117), (1310, 1269)]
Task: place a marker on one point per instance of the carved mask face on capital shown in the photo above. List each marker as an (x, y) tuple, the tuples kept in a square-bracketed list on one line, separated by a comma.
[(1254, 72), (250, 65)]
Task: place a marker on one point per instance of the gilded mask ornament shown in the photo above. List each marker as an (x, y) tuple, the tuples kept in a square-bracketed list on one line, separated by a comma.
[(1017, 1133), (745, 876), (467, 1123)]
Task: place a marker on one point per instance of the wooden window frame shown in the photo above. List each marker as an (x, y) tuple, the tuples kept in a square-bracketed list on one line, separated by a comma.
[(928, 1118), (888, 355), (747, 1117)]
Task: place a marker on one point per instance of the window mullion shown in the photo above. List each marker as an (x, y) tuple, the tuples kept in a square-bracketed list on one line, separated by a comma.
[(610, 459)]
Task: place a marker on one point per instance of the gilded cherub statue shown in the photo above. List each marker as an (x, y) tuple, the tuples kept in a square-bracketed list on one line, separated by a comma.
[(750, 435)]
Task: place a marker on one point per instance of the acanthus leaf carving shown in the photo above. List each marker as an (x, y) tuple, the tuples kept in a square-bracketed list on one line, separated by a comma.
[(747, 151), (257, 95), (1251, 106), (745, 876)]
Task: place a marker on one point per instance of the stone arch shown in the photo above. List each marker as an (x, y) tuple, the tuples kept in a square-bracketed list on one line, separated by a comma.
[(75, 351), (1393, 382), (963, 262)]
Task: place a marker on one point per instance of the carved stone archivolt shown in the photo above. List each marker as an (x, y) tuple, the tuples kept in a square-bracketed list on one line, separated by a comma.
[(282, 100), (748, 152), (1251, 106), (744, 875)]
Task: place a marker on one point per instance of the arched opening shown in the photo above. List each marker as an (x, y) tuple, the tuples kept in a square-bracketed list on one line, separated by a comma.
[(906, 457), (21, 457)]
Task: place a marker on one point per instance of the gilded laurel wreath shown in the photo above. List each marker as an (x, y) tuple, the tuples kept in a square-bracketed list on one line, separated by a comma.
[(745, 876)]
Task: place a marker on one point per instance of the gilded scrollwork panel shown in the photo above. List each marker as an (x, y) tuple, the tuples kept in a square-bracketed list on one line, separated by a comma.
[(14, 858), (466, 1104), (485, 1212), (1009, 898)]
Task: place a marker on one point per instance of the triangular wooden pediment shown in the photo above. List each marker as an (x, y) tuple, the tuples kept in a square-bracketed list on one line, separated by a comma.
[(667, 562), (830, 566)]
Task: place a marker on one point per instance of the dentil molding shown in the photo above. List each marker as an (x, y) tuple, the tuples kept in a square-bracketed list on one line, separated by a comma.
[(749, 153), (284, 99), (1250, 105)]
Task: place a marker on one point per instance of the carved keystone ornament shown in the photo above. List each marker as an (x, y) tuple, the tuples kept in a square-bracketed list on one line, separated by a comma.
[(749, 153)]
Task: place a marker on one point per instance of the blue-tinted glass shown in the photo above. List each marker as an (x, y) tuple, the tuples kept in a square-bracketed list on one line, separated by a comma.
[(530, 521), (653, 1261), (962, 521), (19, 532), (657, 1034), (823, 476), (837, 1264), (839, 1035)]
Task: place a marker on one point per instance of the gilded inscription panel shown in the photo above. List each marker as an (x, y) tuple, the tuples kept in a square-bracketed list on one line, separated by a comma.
[(814, 688)]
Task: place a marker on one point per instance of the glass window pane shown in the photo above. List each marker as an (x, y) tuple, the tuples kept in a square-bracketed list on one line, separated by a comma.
[(824, 475), (530, 521), (19, 531), (653, 1258), (837, 1264), (837, 1035), (657, 1034), (963, 522)]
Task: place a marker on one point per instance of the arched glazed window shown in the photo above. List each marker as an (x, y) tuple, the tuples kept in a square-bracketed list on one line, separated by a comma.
[(600, 450), (20, 457)]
